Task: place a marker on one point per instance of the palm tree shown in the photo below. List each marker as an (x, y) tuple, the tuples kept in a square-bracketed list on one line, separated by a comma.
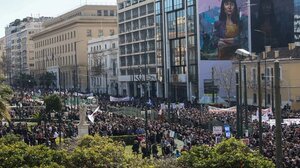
[(5, 95)]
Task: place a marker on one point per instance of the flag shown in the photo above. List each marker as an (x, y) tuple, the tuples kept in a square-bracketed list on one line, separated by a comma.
[(149, 103), (92, 117), (160, 112)]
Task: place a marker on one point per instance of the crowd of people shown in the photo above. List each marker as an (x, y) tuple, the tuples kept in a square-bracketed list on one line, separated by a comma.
[(191, 124)]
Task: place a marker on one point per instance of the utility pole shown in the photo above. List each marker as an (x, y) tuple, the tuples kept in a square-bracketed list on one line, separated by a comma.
[(213, 84), (237, 104), (245, 98), (265, 78), (241, 98), (278, 131), (272, 88), (259, 105)]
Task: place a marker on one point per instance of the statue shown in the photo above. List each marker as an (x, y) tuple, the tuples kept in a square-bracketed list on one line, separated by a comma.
[(83, 128), (82, 114)]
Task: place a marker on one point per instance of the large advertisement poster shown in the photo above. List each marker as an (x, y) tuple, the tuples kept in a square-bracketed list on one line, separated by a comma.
[(272, 23), (297, 22), (223, 28)]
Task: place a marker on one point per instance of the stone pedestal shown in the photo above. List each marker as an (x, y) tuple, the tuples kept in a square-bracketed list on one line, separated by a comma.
[(83, 130)]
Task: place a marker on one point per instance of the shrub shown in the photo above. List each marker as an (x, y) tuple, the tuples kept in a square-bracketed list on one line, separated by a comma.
[(10, 139), (228, 154), (128, 139)]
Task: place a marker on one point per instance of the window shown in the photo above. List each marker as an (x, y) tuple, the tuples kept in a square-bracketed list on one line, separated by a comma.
[(112, 32), (269, 99), (99, 12), (172, 25), (253, 75), (168, 5), (89, 33), (254, 98), (112, 13), (105, 12), (180, 23), (137, 60), (100, 33), (113, 45), (157, 7), (123, 61), (178, 4)]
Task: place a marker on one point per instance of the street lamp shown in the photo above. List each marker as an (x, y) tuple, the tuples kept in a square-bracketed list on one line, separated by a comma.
[(244, 52), (241, 53), (265, 59)]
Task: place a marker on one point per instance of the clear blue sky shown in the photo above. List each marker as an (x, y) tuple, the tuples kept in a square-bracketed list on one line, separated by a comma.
[(19, 9)]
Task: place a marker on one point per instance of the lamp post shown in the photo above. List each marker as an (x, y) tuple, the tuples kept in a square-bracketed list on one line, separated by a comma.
[(259, 106), (243, 52), (245, 99), (278, 131), (237, 103), (265, 60)]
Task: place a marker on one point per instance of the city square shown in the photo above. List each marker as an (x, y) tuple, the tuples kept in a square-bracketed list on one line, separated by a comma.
[(150, 83)]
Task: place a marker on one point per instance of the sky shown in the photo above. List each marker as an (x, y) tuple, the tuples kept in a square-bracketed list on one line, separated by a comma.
[(11, 10)]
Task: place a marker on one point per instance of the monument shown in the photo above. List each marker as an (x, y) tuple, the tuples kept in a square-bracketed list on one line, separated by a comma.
[(83, 127)]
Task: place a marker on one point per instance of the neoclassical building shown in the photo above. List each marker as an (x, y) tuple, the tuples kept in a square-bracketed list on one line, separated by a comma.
[(61, 47)]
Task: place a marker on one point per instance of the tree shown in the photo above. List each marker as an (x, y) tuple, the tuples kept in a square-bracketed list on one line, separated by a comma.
[(26, 81), (53, 103), (5, 95), (47, 79), (226, 80), (230, 153)]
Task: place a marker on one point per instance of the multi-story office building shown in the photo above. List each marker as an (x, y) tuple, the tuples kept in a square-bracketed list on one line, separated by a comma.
[(176, 49), (137, 48), (2, 55), (103, 65), (62, 45), (19, 46)]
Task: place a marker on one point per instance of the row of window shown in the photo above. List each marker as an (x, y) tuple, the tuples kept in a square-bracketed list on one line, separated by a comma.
[(136, 36), (267, 77), (136, 24), (128, 3), (89, 33), (59, 38), (137, 59), (61, 49), (106, 13), (136, 12), (60, 61), (137, 47), (137, 71), (99, 47)]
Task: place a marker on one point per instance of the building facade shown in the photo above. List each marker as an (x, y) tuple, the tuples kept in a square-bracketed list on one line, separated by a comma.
[(289, 60), (103, 65), (61, 47), (176, 49), (19, 46), (137, 60), (2, 55)]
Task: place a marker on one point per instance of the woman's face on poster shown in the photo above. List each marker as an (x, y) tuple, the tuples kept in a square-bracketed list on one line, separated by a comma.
[(229, 7), (266, 7)]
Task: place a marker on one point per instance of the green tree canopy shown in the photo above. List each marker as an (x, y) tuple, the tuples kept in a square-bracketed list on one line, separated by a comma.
[(53, 103), (231, 153), (5, 96), (26, 81), (47, 79)]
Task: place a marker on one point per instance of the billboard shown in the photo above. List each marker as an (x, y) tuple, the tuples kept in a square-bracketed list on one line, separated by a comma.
[(223, 28), (297, 22), (272, 23)]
